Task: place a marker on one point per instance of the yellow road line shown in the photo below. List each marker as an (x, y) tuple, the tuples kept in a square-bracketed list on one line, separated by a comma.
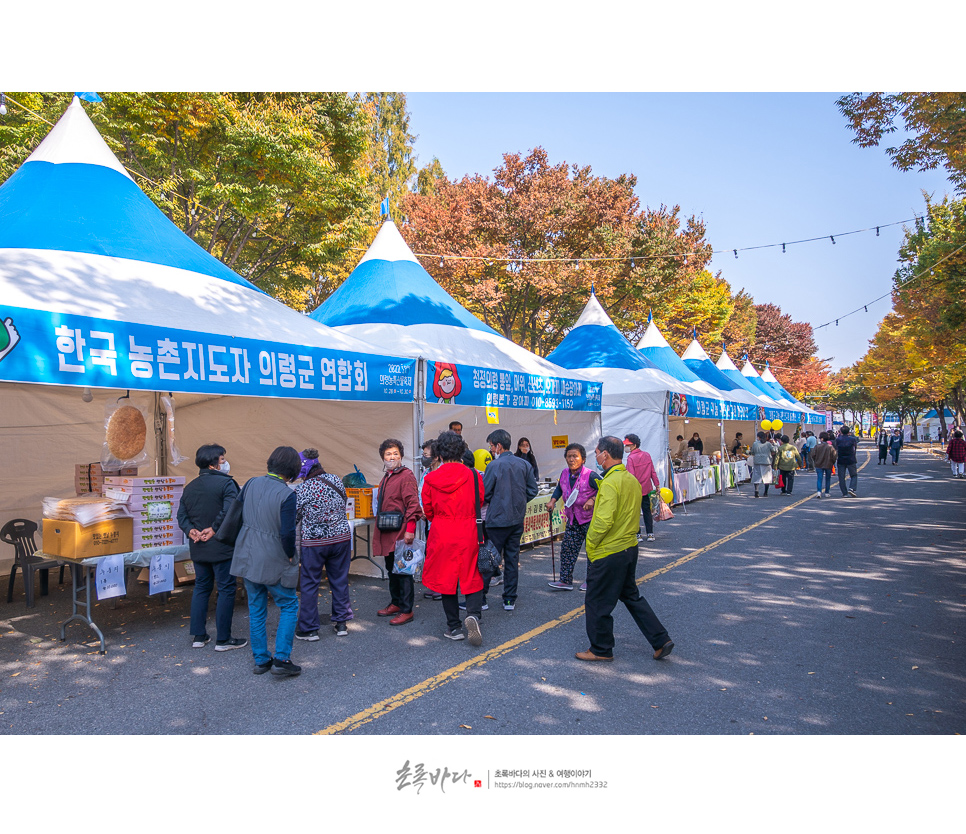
[(400, 699)]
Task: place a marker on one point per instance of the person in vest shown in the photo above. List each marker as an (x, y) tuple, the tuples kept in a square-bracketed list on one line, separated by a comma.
[(640, 465), (789, 459), (578, 489), (265, 558), (882, 441)]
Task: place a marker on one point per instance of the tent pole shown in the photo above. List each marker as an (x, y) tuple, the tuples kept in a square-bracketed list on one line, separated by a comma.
[(419, 412), (724, 461), (160, 418)]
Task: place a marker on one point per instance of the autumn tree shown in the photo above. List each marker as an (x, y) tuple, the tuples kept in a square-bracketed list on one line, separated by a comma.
[(789, 348), (272, 184), (738, 335), (934, 124), (522, 249), (391, 164)]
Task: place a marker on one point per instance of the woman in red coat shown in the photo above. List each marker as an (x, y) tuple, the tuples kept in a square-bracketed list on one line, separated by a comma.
[(397, 493), (449, 502)]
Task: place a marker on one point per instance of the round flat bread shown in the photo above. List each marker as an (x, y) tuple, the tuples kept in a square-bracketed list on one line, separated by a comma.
[(126, 431)]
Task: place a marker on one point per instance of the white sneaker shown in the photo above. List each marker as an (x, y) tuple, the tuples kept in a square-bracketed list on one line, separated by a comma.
[(818, 494)]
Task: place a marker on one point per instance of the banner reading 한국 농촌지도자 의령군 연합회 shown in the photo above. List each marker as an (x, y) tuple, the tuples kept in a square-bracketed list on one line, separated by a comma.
[(65, 349), (453, 384)]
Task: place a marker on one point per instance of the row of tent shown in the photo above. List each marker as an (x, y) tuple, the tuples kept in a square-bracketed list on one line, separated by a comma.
[(103, 298)]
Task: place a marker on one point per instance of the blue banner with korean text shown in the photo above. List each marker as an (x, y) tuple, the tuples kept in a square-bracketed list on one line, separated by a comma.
[(447, 382), (64, 349), (684, 405)]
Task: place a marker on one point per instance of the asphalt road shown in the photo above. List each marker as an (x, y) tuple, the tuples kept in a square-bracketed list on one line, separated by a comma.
[(812, 617)]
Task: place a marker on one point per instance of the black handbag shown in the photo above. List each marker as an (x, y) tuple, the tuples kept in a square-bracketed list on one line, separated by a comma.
[(389, 522), (231, 524), (487, 557)]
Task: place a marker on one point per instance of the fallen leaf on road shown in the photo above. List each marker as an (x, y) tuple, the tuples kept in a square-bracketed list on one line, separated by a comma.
[(15, 674), (849, 617), (915, 667), (490, 717), (765, 718), (36, 640), (722, 690), (465, 727), (811, 673)]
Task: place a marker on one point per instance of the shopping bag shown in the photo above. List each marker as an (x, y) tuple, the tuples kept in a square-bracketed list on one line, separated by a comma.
[(663, 511), (409, 558)]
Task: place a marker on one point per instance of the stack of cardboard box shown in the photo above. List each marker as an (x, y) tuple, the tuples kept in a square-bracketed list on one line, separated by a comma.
[(153, 503), (89, 477)]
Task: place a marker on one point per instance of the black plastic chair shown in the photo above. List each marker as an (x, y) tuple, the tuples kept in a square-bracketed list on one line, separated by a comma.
[(19, 532)]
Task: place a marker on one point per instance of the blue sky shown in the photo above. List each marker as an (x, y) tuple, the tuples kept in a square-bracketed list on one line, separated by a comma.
[(760, 168)]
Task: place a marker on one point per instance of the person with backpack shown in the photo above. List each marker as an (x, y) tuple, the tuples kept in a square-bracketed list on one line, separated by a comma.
[(846, 446), (789, 459)]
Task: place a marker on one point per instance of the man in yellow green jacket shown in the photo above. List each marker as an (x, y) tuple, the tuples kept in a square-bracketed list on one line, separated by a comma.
[(612, 554)]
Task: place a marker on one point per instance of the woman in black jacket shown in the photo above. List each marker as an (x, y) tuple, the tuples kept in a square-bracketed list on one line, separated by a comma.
[(203, 506)]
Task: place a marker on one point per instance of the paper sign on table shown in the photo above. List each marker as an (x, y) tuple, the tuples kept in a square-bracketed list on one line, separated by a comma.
[(109, 577), (161, 577)]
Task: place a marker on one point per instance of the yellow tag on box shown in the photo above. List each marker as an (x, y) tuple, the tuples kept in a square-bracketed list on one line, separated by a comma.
[(71, 540)]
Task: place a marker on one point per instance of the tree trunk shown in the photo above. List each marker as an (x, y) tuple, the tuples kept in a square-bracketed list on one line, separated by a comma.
[(941, 412)]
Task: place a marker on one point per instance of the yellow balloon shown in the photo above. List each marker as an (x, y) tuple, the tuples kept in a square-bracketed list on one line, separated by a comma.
[(481, 459), (766, 424), (666, 495), (777, 425)]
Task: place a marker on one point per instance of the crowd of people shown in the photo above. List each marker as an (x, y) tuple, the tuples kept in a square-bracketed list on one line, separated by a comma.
[(294, 526)]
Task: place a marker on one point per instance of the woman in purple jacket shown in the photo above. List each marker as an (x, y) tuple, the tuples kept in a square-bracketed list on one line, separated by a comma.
[(578, 489)]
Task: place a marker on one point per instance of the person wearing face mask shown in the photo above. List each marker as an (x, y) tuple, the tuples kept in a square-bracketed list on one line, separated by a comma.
[(429, 462), (397, 494), (203, 506)]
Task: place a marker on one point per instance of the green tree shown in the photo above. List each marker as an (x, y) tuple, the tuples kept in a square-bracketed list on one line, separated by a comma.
[(392, 166), (935, 124)]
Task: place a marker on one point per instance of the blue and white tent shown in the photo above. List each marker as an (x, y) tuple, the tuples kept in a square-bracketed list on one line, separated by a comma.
[(781, 396), (811, 416), (636, 393), (102, 294), (390, 301)]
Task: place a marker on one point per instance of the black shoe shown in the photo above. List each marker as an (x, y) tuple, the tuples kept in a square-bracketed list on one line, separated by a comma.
[(285, 668), (262, 668), (309, 636), (199, 641), (341, 630), (231, 643)]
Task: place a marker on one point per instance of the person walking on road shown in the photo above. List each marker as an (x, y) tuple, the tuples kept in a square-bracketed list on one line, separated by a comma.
[(612, 551), (449, 502), (882, 443), (762, 455), (789, 459), (578, 489), (640, 465), (895, 445), (846, 446), (510, 484), (956, 452), (823, 456)]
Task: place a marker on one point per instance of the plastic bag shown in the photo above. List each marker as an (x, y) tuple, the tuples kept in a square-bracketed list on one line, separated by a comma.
[(409, 558), (126, 431), (354, 480), (663, 512), (167, 403)]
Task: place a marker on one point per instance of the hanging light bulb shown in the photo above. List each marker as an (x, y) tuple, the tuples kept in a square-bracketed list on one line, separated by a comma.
[(632, 263), (783, 248), (3, 105), (736, 254), (440, 260), (87, 396), (833, 238), (876, 231)]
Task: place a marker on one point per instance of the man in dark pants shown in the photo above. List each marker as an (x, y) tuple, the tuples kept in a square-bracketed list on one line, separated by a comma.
[(612, 555), (509, 484), (846, 446)]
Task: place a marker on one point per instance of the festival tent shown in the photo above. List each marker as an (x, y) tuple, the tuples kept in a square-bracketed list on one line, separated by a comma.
[(689, 415), (636, 393), (804, 413), (811, 417), (103, 296), (743, 416), (468, 371)]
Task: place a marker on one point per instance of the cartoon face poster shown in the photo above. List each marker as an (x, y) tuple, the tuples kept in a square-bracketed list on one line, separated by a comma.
[(446, 383), (679, 405)]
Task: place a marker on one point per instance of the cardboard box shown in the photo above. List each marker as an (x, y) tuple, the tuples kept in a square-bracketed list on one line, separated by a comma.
[(89, 477), (70, 539), (142, 494), (184, 573)]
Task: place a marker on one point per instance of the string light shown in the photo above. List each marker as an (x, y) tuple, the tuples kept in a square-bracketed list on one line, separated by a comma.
[(783, 248), (440, 260), (833, 238), (736, 254)]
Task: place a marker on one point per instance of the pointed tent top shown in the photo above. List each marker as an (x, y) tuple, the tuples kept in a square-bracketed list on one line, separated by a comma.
[(650, 317), (748, 369), (389, 246), (594, 313), (652, 338), (390, 286), (655, 347), (592, 289), (694, 333), (724, 363), (595, 342), (768, 376), (74, 139), (695, 351)]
